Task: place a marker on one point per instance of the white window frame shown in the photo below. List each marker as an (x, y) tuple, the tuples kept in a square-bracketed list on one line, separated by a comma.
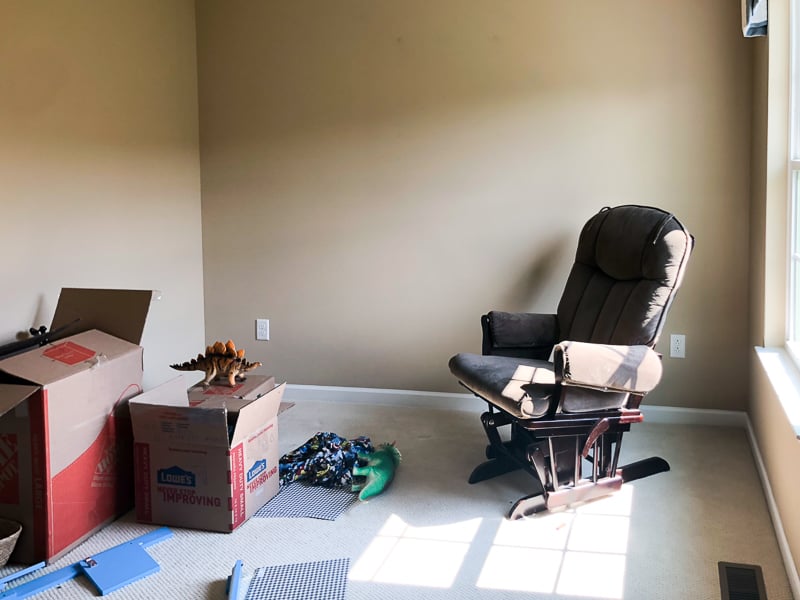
[(793, 186)]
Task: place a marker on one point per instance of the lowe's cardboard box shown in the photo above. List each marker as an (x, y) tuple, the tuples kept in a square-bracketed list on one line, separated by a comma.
[(65, 434), (204, 467)]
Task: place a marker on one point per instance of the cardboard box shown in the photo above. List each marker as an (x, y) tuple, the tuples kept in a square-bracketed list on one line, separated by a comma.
[(203, 467), (222, 395), (65, 435)]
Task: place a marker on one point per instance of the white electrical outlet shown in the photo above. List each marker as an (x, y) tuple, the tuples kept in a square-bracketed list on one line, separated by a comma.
[(677, 345), (262, 329)]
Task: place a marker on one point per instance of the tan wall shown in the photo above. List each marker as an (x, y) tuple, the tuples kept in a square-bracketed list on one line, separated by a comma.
[(99, 163), (377, 175)]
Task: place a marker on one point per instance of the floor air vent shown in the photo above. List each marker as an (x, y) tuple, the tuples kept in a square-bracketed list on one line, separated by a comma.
[(741, 582)]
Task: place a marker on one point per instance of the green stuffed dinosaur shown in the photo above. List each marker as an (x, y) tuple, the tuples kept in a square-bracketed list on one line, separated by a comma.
[(378, 470)]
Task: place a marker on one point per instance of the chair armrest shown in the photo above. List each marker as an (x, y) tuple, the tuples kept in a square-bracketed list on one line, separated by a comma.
[(530, 335), (631, 369)]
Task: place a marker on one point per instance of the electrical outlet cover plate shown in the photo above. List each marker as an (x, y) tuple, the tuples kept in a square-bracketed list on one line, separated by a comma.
[(677, 345)]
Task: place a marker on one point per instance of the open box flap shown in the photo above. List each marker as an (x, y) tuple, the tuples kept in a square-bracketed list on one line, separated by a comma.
[(170, 393), (121, 313), (163, 416), (12, 395), (257, 413), (56, 361)]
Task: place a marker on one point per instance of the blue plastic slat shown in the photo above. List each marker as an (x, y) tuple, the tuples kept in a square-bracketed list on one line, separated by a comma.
[(118, 566), (21, 573), (45, 582), (234, 580)]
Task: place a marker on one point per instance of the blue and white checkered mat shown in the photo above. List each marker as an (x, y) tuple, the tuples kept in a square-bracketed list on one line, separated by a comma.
[(323, 580), (302, 500)]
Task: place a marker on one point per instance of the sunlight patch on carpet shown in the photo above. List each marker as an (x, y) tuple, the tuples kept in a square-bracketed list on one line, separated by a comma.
[(421, 556), (576, 552)]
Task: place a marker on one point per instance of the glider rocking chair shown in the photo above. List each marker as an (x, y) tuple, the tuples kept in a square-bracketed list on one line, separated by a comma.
[(570, 384)]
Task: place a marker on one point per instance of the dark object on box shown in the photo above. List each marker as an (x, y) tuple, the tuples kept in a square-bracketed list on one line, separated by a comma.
[(120, 313), (39, 337)]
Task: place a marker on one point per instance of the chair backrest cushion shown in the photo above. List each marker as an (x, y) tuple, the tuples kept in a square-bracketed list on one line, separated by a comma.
[(629, 264)]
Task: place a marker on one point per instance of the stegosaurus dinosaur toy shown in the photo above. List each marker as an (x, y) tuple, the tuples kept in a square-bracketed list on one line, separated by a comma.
[(220, 361)]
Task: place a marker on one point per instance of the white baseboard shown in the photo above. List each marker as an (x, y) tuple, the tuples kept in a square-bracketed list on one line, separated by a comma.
[(652, 414), (385, 397), (456, 401), (675, 415)]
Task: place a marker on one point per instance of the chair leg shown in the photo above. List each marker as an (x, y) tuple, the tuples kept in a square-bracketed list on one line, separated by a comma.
[(507, 456), (492, 468), (605, 455), (564, 496), (527, 506), (630, 472), (643, 468), (562, 460), (502, 455), (586, 490)]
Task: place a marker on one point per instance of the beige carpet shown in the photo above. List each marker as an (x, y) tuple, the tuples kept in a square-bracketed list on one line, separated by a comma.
[(432, 535)]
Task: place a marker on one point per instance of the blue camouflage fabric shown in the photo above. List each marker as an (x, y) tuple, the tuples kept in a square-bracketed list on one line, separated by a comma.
[(326, 459)]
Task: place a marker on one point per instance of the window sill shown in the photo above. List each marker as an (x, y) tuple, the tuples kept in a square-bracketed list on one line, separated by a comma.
[(784, 376)]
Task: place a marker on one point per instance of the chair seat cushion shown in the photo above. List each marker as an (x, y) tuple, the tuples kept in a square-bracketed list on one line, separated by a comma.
[(499, 380), (525, 387)]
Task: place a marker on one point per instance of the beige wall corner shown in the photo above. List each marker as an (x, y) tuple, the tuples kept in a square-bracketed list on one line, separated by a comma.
[(99, 163)]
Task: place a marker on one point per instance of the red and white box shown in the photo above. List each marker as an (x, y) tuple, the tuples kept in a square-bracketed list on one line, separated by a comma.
[(66, 465)]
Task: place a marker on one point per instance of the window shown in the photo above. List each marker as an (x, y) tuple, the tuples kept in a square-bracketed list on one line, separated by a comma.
[(780, 356), (793, 234), (793, 321)]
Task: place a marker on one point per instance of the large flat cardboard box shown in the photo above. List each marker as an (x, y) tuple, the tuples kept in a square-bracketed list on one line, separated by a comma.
[(65, 434), (203, 467)]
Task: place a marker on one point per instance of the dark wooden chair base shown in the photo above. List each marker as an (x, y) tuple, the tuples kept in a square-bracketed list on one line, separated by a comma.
[(553, 451)]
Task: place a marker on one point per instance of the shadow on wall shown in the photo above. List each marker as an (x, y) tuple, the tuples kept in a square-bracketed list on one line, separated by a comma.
[(545, 269)]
